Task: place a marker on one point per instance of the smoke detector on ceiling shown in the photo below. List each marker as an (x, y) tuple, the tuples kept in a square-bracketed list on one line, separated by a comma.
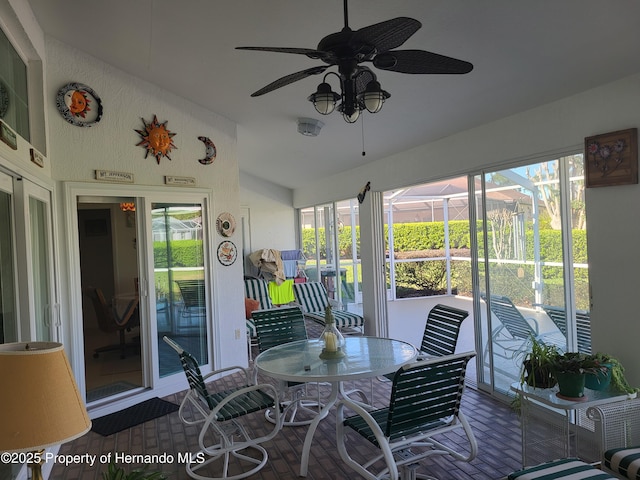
[(309, 127)]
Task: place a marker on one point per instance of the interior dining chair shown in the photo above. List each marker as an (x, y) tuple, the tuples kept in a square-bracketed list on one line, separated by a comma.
[(110, 321), (275, 327), (424, 403), (231, 453)]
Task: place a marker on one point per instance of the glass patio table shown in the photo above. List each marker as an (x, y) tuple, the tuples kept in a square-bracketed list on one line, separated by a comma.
[(300, 361)]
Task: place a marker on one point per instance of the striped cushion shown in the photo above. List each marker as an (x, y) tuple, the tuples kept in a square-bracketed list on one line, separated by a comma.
[(624, 461), (257, 289), (343, 319), (251, 328), (568, 468), (312, 297)]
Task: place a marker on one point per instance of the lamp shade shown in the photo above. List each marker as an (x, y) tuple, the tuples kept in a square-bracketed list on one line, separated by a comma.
[(41, 405)]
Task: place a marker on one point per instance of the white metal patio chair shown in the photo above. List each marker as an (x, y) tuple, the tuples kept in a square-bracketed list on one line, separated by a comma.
[(222, 438)]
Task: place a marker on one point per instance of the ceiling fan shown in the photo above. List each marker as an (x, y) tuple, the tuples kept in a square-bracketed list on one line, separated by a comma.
[(348, 50)]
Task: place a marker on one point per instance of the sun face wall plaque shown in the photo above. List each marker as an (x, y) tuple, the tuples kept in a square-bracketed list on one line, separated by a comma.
[(156, 139), (79, 105)]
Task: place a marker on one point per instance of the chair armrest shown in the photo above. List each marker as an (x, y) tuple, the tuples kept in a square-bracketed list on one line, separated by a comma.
[(233, 368), (336, 305), (534, 324)]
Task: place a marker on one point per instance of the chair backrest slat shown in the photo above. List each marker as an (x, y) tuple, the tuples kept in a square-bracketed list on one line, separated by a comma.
[(312, 296), (278, 326), (583, 325), (442, 330), (426, 393), (193, 292)]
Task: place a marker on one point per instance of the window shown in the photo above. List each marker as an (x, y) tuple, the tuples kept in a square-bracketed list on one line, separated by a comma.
[(330, 236), (428, 246), (14, 102)]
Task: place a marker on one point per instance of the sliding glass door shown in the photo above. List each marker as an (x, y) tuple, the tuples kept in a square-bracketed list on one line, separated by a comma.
[(532, 261), (149, 248), (179, 280), (8, 310)]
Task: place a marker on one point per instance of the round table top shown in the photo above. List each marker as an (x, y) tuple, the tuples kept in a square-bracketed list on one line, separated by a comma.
[(364, 357)]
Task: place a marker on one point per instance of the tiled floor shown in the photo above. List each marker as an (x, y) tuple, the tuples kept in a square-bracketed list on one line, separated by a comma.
[(496, 428)]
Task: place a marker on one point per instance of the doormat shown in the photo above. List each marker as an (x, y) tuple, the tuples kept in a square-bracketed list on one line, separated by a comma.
[(132, 416)]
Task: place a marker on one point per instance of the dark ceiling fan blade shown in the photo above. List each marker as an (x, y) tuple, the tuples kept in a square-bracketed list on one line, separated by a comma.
[(309, 52), (419, 61), (386, 35), (286, 80)]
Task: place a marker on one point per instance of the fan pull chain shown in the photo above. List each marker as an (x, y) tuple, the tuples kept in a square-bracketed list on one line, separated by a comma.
[(362, 124)]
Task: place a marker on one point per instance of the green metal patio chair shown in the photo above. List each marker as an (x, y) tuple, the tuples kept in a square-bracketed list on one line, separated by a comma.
[(275, 327), (441, 332), (424, 403), (217, 413)]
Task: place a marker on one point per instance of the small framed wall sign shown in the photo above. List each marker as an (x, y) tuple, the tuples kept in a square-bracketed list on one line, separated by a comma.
[(8, 136), (37, 157), (611, 158)]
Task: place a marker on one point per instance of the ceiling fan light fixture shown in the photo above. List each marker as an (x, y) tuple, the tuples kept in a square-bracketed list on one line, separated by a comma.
[(373, 97), (349, 118), (324, 99)]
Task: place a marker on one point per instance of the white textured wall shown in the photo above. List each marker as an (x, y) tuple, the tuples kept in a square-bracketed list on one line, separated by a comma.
[(272, 216), (613, 223), (75, 152)]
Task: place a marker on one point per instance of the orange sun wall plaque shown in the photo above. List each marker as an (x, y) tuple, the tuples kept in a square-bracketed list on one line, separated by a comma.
[(156, 139), (611, 158)]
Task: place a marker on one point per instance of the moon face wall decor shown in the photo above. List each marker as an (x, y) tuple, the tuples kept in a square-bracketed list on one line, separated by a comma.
[(210, 151), (79, 105)]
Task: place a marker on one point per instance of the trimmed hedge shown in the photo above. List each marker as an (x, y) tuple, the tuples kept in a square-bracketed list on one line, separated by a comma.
[(184, 253)]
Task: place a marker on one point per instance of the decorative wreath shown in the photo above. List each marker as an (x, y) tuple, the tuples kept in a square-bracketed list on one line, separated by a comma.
[(226, 224)]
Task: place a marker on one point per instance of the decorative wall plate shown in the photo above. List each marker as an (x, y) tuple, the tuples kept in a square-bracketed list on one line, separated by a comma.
[(227, 253), (79, 105), (226, 224)]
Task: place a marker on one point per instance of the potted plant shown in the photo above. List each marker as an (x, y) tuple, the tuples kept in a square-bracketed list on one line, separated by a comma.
[(570, 368), (117, 473), (537, 366), (611, 378)]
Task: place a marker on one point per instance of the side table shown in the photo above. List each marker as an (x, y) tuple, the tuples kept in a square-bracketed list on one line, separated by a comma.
[(554, 428)]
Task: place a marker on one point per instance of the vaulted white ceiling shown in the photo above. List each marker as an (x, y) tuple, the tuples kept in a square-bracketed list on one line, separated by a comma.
[(525, 53)]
